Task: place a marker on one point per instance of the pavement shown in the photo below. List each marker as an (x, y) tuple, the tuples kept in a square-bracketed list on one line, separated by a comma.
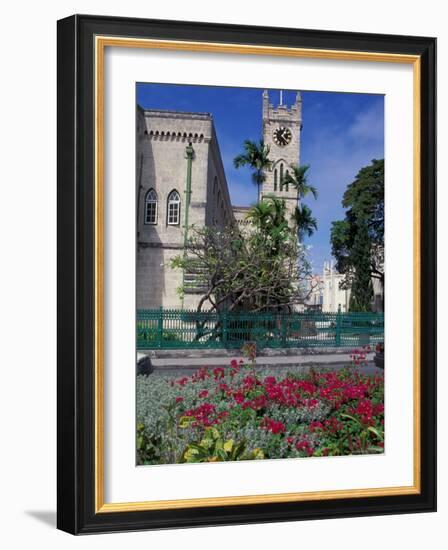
[(180, 366)]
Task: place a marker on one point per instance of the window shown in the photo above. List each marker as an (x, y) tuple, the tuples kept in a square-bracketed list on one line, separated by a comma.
[(281, 176), (173, 212), (275, 179), (151, 207), (287, 184)]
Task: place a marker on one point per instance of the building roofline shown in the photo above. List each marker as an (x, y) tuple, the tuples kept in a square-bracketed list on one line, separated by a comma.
[(167, 113)]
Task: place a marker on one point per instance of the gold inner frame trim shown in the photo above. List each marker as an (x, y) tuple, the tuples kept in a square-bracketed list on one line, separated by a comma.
[(101, 42)]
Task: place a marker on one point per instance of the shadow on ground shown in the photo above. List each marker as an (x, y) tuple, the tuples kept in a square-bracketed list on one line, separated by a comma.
[(48, 517)]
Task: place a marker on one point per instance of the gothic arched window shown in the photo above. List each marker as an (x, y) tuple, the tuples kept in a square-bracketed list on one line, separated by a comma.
[(281, 176), (173, 210), (151, 207), (287, 184), (275, 179)]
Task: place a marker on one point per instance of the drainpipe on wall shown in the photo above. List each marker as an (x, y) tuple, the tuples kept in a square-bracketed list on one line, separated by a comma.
[(189, 155)]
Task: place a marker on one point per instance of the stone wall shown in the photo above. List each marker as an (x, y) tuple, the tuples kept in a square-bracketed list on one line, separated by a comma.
[(162, 138)]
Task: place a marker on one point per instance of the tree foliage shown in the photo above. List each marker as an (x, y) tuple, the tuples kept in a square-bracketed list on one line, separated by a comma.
[(357, 241), (260, 268), (361, 291), (256, 157), (297, 177), (305, 222)]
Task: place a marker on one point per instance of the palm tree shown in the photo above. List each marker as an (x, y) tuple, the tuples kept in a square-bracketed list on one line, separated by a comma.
[(269, 217), (261, 215), (256, 156), (297, 178), (268, 213), (306, 224)]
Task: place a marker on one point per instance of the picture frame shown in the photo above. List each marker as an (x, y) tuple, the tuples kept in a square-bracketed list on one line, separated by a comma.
[(82, 41)]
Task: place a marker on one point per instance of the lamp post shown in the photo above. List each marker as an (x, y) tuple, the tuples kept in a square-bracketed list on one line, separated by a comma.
[(189, 155)]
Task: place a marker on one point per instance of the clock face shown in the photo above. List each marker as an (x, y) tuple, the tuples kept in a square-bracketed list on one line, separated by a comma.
[(282, 136)]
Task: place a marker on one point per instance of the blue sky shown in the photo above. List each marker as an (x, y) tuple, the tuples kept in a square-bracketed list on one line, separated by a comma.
[(341, 133)]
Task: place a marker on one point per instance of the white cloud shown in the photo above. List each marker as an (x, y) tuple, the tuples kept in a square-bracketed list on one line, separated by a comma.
[(369, 125)]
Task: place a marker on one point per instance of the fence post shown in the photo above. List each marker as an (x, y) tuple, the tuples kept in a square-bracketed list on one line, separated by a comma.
[(338, 327), (284, 327), (224, 327), (160, 328)]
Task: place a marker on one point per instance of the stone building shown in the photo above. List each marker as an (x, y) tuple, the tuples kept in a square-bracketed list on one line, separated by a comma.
[(334, 297), (327, 295), (181, 181)]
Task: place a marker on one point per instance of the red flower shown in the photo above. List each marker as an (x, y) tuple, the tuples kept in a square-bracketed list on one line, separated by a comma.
[(200, 374), (273, 426), (202, 414), (366, 411), (218, 373), (179, 399), (316, 426), (250, 382), (223, 387), (257, 403), (203, 393), (239, 397), (234, 364), (333, 425), (304, 446)]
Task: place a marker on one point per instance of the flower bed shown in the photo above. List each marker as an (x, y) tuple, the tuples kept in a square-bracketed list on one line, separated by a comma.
[(238, 413)]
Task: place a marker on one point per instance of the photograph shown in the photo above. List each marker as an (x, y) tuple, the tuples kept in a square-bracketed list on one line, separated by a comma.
[(259, 274)]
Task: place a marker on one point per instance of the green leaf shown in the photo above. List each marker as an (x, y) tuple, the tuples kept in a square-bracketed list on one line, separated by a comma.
[(376, 449), (344, 415), (221, 454), (258, 454), (185, 421), (238, 450), (376, 432)]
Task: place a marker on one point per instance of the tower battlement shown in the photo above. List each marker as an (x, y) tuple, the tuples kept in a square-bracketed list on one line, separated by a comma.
[(282, 112)]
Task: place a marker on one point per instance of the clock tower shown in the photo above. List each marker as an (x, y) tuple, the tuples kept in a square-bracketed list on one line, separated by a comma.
[(281, 132)]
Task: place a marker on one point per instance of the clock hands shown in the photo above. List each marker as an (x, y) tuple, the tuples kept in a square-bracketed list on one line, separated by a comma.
[(282, 136)]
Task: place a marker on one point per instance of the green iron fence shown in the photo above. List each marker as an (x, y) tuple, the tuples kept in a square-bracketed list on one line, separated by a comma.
[(188, 329)]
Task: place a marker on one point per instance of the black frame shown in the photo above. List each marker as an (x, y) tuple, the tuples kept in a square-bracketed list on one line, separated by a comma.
[(75, 475)]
